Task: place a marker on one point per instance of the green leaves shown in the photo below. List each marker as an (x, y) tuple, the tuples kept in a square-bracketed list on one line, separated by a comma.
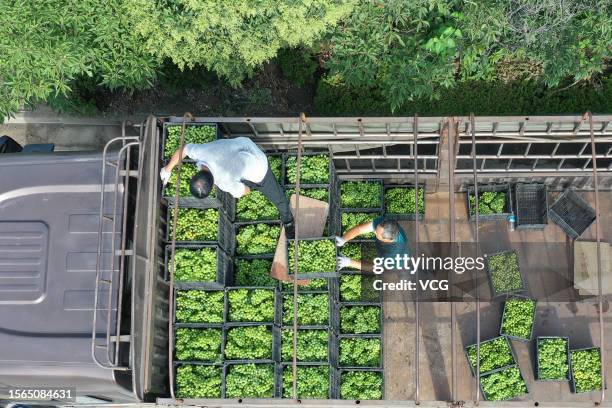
[(193, 134), (198, 344), (517, 319), (494, 354), (312, 382), (360, 194), (316, 256), (313, 309), (360, 319), (353, 219), (360, 352), (256, 305), (198, 381), (311, 345), (250, 381), (255, 206), (195, 265), (505, 273), (194, 224), (402, 200), (195, 306), (361, 385), (553, 359), (257, 239), (586, 369), (248, 343), (489, 202), (313, 169), (503, 385), (253, 272)]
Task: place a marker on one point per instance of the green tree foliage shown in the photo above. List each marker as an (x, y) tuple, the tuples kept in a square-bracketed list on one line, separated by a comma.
[(47, 45), (230, 38)]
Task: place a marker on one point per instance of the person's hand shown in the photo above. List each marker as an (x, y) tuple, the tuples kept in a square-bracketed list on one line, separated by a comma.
[(340, 241), (343, 262), (164, 175)]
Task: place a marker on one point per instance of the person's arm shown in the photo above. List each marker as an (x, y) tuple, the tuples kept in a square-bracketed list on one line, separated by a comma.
[(179, 155), (358, 230)]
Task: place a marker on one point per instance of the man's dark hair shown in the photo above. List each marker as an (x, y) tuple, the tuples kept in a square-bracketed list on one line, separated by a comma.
[(201, 184), (390, 229)]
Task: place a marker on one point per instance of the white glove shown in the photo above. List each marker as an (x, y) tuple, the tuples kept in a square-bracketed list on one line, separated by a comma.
[(340, 241), (343, 262), (164, 175)]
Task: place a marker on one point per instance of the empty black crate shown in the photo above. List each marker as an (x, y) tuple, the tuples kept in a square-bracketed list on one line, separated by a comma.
[(572, 213), (531, 206)]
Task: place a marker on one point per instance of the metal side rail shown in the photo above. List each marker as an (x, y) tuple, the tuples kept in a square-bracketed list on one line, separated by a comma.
[(114, 282)]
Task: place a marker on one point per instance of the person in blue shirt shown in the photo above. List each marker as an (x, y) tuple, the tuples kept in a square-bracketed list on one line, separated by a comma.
[(391, 240)]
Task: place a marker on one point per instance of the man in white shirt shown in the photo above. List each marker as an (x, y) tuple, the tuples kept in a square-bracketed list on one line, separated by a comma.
[(235, 166)]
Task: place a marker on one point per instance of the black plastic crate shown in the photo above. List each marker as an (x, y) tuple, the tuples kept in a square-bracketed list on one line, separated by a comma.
[(275, 346), (361, 209), (199, 325), (341, 372), (473, 369), (178, 364), (227, 368), (363, 336), (311, 275), (225, 233), (224, 268), (178, 121), (501, 369), (277, 306), (533, 318), (283, 366), (236, 228), (572, 213), (485, 188), (573, 379), (537, 359), (222, 200), (531, 206), (490, 275), (407, 216)]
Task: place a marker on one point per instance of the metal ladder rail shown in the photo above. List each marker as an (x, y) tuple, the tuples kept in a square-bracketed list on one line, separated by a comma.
[(111, 364)]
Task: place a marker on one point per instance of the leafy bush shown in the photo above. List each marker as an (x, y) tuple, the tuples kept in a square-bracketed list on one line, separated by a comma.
[(194, 224), (297, 65), (250, 381), (257, 239), (198, 344), (318, 256), (313, 382), (401, 200), (552, 359), (253, 272), (315, 284), (248, 343), (505, 272), (256, 305), (193, 134), (494, 354), (517, 320), (316, 193), (255, 206), (195, 265), (360, 319), (358, 288), (313, 169), (350, 220), (503, 385), (311, 345), (197, 381), (489, 202), (196, 306), (361, 385), (360, 194), (313, 309), (586, 369), (360, 352)]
